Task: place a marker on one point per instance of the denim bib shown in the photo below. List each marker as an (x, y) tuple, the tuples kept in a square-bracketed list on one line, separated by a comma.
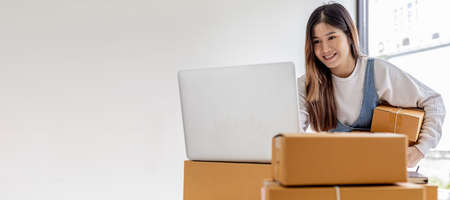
[(370, 101)]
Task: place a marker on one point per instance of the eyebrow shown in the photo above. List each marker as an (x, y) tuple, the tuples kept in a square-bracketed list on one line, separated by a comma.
[(332, 32)]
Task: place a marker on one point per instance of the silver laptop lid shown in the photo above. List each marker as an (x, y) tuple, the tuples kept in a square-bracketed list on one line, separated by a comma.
[(232, 113)]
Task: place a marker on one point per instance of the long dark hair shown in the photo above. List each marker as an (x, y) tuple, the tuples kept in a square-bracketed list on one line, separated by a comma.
[(320, 99)]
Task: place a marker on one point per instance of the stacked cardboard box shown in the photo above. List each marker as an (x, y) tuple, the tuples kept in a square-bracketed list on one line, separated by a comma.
[(340, 158), (224, 180), (400, 191), (345, 166), (431, 192), (407, 121)]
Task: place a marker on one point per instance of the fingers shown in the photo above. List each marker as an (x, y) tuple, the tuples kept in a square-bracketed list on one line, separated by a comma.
[(414, 156)]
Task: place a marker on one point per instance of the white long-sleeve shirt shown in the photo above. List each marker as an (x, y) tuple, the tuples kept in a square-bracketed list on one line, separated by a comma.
[(393, 86)]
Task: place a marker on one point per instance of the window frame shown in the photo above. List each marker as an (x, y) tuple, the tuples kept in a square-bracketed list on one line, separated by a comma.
[(362, 25)]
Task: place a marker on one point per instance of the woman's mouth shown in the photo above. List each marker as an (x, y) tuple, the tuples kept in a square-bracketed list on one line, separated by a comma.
[(329, 57)]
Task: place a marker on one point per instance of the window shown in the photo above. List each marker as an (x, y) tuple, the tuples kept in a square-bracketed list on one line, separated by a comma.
[(413, 35)]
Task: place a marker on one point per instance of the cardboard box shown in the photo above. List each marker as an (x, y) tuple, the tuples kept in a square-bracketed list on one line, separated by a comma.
[(224, 181), (398, 120), (339, 158), (400, 191), (431, 192)]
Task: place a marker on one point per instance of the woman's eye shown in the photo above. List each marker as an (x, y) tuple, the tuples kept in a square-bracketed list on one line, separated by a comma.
[(331, 37), (316, 42)]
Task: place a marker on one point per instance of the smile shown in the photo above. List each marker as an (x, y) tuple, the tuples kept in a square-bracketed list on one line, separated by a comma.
[(329, 57)]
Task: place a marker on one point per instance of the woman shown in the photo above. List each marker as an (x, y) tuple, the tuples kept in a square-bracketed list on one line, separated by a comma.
[(341, 87)]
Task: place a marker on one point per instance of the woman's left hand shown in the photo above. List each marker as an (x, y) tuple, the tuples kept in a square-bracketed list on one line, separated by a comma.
[(414, 156)]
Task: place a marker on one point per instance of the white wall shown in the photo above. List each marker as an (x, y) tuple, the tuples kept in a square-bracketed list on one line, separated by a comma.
[(89, 105)]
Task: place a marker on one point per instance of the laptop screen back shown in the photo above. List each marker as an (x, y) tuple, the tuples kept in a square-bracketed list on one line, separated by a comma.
[(232, 113)]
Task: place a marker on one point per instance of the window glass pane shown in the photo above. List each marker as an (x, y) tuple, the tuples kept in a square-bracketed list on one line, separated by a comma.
[(404, 25), (414, 35)]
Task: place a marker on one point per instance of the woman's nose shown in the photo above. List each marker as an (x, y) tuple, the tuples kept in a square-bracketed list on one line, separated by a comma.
[(325, 47)]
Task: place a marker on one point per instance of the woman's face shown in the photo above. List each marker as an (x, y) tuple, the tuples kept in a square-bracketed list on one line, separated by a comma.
[(331, 46)]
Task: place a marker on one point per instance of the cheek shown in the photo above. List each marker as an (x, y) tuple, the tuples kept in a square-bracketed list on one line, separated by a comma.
[(316, 50), (344, 46)]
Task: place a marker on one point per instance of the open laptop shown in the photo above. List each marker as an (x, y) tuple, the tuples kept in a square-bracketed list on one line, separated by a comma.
[(232, 113)]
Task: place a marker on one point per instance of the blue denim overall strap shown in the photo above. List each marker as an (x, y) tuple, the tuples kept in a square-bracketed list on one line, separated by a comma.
[(370, 101)]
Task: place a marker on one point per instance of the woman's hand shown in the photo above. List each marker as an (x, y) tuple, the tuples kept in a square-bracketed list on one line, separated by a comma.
[(414, 156)]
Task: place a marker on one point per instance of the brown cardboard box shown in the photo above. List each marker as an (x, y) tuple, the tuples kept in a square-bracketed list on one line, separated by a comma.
[(431, 192), (339, 158), (398, 120), (400, 191), (224, 181)]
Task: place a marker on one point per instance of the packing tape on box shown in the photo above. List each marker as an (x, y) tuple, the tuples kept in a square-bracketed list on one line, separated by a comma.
[(395, 121), (338, 193), (263, 193)]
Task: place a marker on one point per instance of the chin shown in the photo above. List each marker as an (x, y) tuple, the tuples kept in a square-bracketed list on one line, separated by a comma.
[(330, 66)]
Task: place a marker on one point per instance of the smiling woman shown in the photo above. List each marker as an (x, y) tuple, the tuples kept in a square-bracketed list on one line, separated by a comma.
[(342, 87)]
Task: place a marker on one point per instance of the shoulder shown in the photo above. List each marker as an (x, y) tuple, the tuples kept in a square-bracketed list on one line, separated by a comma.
[(384, 64), (377, 62), (385, 68)]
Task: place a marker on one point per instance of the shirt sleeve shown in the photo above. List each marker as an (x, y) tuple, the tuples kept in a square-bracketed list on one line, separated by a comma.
[(303, 113), (398, 88)]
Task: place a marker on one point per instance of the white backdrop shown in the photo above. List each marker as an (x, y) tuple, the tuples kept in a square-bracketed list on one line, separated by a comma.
[(89, 105)]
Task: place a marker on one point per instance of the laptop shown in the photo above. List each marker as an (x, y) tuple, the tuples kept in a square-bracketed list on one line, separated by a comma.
[(232, 113)]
